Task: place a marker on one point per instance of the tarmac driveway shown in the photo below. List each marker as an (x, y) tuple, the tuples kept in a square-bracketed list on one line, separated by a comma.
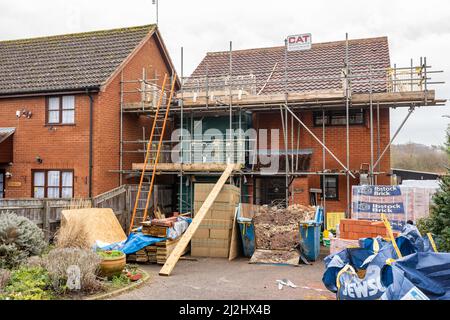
[(217, 279)]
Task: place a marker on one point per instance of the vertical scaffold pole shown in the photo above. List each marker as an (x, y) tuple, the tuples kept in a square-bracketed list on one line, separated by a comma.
[(181, 131), (324, 199), (230, 137), (371, 175), (286, 119), (378, 140), (347, 105)]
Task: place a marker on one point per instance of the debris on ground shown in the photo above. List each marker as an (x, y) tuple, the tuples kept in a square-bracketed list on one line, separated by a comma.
[(285, 282)]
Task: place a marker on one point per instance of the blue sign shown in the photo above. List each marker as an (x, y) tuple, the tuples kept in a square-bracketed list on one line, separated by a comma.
[(388, 208), (378, 191)]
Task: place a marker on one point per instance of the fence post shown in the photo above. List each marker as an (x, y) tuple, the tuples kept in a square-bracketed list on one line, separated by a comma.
[(46, 219)]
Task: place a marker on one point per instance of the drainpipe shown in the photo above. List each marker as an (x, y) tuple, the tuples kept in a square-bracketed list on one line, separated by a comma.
[(91, 140)]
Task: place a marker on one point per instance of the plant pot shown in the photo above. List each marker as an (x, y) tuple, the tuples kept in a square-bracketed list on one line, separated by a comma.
[(111, 267), (135, 277)]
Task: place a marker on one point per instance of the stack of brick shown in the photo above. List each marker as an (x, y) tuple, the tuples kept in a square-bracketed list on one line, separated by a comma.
[(357, 229), (213, 237)]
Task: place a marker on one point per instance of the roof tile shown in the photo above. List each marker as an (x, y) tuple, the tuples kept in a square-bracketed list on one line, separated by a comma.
[(65, 62), (317, 69)]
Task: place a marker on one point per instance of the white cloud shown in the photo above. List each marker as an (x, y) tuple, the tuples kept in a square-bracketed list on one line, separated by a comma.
[(414, 30)]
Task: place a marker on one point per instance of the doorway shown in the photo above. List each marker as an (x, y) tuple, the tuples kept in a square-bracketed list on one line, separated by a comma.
[(272, 190)]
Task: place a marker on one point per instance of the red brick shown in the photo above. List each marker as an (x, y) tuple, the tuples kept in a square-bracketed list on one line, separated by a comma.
[(359, 147), (67, 147)]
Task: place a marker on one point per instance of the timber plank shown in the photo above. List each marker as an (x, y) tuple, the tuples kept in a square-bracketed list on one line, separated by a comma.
[(175, 255), (216, 167)]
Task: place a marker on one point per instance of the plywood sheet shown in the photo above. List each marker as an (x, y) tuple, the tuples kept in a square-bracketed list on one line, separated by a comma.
[(235, 244), (276, 257), (100, 224)]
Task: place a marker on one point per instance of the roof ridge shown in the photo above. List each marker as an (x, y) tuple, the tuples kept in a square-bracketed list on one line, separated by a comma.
[(319, 44), (79, 34)]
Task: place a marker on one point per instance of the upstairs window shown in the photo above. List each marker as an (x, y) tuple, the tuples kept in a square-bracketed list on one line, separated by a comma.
[(61, 110), (338, 118)]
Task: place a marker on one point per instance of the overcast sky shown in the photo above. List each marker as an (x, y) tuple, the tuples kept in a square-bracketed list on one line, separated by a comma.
[(415, 29)]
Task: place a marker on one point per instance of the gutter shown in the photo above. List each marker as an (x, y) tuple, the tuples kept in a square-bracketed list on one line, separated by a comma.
[(49, 93)]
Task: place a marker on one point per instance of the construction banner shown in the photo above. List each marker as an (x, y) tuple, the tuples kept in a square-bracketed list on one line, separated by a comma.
[(398, 203)]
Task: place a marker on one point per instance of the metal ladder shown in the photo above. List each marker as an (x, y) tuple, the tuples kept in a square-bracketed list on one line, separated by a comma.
[(160, 123)]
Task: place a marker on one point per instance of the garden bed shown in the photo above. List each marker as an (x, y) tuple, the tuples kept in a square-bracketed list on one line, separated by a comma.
[(34, 283), (30, 269)]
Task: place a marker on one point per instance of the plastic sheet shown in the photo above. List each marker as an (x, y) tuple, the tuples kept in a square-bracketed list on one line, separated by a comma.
[(421, 274), (134, 243)]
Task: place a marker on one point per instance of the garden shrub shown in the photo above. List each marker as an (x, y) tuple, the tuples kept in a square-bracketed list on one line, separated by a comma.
[(120, 281), (35, 261), (20, 238), (4, 278), (28, 284), (58, 261), (72, 235)]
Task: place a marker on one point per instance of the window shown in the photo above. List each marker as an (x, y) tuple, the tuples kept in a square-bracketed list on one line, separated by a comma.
[(61, 110), (2, 184), (330, 184), (53, 184), (338, 118)]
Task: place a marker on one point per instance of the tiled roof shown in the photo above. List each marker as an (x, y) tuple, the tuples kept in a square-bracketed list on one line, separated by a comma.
[(5, 133), (303, 66), (65, 62)]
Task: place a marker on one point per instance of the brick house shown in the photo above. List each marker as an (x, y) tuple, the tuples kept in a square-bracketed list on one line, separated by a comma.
[(251, 86), (60, 109)]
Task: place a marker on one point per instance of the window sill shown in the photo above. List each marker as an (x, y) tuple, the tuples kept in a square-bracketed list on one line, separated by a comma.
[(60, 125)]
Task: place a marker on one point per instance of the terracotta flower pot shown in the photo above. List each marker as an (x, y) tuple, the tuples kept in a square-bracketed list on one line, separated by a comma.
[(135, 277), (111, 267)]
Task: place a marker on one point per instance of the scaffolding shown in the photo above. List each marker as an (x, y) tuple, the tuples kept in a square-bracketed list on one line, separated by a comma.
[(233, 94)]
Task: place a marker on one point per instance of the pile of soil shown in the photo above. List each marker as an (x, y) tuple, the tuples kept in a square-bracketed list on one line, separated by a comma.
[(278, 228)]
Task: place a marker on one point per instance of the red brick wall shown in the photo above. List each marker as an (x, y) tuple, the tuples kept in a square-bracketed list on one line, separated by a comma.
[(67, 147), (335, 138), (300, 189), (107, 118), (64, 147)]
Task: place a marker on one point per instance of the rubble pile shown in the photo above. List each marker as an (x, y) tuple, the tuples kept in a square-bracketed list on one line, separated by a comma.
[(278, 228)]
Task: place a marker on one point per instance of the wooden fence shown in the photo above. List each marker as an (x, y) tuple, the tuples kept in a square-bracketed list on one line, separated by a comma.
[(46, 213)]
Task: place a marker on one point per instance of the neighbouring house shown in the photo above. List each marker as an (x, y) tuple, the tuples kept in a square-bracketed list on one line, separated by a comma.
[(60, 109), (403, 174)]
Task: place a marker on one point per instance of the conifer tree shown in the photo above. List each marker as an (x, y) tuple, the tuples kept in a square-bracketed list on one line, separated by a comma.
[(438, 223)]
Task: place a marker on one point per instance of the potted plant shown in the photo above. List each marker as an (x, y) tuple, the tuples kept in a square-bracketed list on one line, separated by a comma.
[(113, 263)]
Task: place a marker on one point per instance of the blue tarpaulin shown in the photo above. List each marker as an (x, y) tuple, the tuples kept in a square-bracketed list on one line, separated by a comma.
[(134, 243), (137, 241)]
